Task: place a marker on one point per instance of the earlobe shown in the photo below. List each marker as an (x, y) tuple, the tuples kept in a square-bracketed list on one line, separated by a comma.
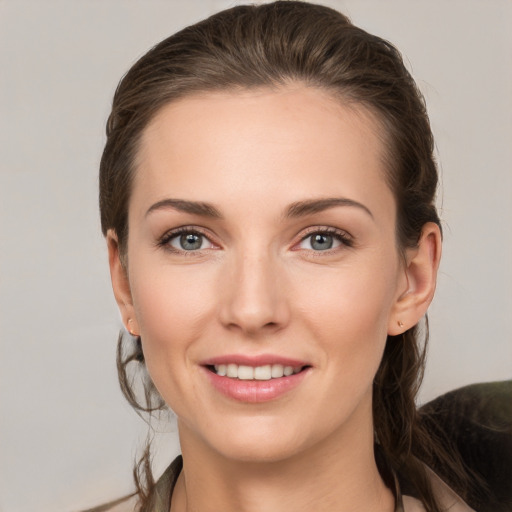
[(121, 284), (421, 266)]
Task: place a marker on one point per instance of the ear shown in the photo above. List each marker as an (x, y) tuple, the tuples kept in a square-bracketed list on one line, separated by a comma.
[(121, 284), (421, 266)]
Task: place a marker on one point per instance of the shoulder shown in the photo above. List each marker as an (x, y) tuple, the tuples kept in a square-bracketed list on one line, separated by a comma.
[(475, 422), (447, 498), (487, 404)]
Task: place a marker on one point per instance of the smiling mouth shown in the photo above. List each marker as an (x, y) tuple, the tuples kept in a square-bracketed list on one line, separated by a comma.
[(265, 372)]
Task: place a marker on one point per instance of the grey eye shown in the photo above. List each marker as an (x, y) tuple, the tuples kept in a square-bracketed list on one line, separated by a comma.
[(188, 241), (320, 242)]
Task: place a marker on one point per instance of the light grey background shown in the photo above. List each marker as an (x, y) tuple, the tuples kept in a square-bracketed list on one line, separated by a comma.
[(67, 437)]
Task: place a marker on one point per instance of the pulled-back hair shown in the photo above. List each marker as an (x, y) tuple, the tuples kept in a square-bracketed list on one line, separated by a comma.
[(271, 46)]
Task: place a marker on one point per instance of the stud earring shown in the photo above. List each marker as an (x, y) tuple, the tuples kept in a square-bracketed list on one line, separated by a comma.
[(400, 323)]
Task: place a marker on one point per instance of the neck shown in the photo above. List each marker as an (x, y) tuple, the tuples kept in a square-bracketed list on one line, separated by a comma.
[(337, 474)]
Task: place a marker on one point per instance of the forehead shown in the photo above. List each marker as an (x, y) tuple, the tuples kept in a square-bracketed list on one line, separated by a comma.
[(213, 146)]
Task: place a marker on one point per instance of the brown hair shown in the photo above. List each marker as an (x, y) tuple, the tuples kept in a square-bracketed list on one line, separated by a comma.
[(272, 45)]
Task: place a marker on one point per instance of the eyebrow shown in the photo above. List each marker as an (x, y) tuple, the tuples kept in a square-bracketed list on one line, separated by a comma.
[(308, 207), (297, 209), (194, 207)]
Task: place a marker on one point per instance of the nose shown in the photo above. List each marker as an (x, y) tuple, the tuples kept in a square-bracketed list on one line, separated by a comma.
[(253, 299)]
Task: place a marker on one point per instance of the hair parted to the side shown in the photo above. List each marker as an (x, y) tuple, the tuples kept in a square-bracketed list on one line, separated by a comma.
[(274, 45)]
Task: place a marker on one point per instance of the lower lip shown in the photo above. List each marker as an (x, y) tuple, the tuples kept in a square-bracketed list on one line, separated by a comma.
[(255, 391)]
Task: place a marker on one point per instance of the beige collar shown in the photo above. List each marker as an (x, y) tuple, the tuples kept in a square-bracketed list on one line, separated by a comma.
[(449, 500)]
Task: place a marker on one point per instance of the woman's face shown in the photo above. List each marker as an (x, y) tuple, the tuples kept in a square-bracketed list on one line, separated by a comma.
[(262, 242)]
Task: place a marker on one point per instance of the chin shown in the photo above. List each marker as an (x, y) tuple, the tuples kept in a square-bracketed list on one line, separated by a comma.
[(258, 451), (249, 439), (262, 440)]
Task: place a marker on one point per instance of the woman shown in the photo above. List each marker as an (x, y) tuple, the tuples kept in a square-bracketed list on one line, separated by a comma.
[(267, 193)]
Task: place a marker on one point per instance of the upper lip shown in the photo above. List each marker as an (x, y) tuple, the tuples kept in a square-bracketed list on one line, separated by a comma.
[(254, 360)]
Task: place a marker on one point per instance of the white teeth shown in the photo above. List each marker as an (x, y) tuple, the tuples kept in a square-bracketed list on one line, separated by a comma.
[(245, 372), (277, 371), (263, 372), (221, 369), (266, 372), (232, 371)]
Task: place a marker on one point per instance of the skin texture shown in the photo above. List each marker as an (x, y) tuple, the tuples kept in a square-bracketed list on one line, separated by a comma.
[(257, 286)]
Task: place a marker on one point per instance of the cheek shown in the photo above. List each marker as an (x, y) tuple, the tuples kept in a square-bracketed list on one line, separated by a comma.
[(173, 306), (349, 297), (348, 311)]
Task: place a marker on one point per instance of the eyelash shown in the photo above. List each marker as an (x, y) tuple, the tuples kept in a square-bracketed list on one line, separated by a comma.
[(341, 236)]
